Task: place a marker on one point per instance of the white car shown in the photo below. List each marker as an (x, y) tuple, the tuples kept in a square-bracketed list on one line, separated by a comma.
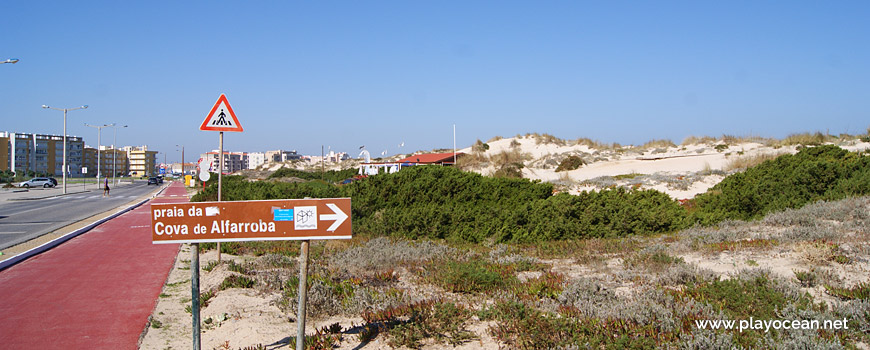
[(43, 182)]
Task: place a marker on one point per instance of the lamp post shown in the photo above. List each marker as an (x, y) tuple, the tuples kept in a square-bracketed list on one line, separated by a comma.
[(10, 60), (182, 160), (65, 170), (114, 151), (99, 131)]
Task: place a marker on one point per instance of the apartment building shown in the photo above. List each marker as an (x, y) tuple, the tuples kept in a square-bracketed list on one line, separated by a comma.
[(282, 156), (256, 159), (233, 161), (142, 161), (40, 153), (110, 161), (185, 169)]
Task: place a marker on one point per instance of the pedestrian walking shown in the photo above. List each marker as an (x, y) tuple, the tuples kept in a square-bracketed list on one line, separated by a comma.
[(106, 188)]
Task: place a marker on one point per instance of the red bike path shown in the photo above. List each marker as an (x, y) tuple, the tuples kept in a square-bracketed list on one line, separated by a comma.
[(94, 291)]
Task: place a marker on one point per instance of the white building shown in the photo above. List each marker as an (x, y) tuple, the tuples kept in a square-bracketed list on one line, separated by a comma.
[(282, 156), (233, 161), (255, 159)]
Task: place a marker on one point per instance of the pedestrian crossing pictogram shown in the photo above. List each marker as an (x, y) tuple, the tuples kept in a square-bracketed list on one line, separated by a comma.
[(221, 117)]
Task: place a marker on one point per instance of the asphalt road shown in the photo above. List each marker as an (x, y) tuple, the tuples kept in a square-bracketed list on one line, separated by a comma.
[(24, 216)]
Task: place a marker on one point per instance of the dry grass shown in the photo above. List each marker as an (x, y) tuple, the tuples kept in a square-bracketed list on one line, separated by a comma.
[(745, 162), (815, 252), (726, 139), (513, 156), (696, 140), (807, 139), (548, 139), (663, 143), (595, 144), (472, 161)]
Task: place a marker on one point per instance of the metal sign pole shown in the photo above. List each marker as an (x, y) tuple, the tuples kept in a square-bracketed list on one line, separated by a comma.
[(303, 296), (194, 290), (220, 175)]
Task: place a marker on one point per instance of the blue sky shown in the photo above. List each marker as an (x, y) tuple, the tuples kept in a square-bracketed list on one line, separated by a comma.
[(377, 73)]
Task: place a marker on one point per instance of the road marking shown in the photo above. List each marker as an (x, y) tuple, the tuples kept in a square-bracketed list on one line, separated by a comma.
[(140, 226), (25, 211), (24, 223)]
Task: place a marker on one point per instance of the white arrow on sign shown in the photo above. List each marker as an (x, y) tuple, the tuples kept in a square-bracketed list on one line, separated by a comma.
[(339, 217)]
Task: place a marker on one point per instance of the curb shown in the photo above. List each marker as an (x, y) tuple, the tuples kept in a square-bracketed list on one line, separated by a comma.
[(5, 264)]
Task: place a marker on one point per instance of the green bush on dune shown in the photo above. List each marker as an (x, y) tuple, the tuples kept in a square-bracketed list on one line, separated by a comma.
[(789, 181), (447, 203), (333, 176)]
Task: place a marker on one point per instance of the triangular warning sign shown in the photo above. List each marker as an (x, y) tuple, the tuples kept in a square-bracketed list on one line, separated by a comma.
[(221, 117)]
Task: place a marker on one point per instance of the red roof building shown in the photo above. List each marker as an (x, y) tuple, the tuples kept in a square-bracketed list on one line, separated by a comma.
[(419, 159), (431, 158)]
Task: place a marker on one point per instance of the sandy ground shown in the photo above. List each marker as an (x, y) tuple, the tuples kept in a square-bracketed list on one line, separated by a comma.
[(703, 160), (237, 318)]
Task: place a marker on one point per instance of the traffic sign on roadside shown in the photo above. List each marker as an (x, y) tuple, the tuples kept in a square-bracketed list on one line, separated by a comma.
[(221, 117), (285, 219)]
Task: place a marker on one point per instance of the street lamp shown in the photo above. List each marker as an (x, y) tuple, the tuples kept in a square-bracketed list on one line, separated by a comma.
[(10, 60), (99, 130), (114, 152), (65, 170), (182, 160)]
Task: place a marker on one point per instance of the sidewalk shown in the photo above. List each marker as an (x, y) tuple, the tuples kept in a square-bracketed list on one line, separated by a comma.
[(95, 291)]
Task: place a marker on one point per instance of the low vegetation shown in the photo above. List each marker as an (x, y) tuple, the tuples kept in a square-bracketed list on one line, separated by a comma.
[(332, 176), (446, 203), (489, 248), (641, 293), (570, 163), (788, 181)]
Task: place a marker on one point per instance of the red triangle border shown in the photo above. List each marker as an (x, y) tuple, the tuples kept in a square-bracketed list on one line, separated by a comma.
[(204, 126)]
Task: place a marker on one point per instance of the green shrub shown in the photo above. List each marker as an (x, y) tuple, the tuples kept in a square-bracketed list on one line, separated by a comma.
[(789, 181), (471, 276), (522, 327), (445, 322), (741, 298), (332, 176), (236, 188), (479, 147), (446, 203), (859, 291), (570, 163), (408, 324), (747, 295), (210, 266), (237, 281), (806, 278)]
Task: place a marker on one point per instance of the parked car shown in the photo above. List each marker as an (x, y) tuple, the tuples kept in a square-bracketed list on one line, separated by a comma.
[(37, 182), (153, 180)]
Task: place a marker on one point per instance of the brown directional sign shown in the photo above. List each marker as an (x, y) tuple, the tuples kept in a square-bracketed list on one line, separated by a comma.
[(285, 219)]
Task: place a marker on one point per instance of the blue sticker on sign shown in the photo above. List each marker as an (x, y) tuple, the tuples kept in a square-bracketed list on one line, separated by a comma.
[(283, 214)]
